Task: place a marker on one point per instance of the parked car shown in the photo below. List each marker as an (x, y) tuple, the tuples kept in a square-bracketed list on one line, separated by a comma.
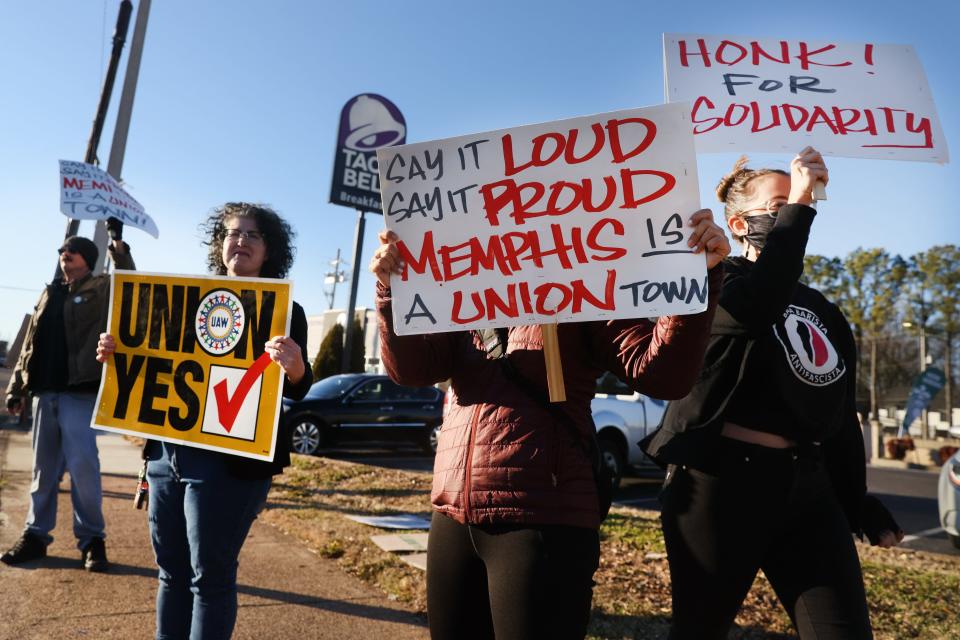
[(948, 498), (623, 418), (360, 407)]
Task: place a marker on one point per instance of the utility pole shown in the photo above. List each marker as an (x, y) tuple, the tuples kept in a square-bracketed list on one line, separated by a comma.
[(926, 431), (351, 306), (124, 112), (119, 37), (334, 277)]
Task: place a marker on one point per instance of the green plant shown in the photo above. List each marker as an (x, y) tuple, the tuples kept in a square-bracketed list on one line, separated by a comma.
[(328, 360)]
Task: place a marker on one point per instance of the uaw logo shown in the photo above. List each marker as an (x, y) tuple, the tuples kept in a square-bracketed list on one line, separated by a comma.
[(811, 355), (220, 320)]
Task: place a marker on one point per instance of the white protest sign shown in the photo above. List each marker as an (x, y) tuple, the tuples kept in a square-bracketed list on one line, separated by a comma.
[(859, 100), (581, 219), (89, 193)]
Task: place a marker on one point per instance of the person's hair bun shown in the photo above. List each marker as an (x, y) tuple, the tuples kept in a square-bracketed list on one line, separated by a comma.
[(723, 188)]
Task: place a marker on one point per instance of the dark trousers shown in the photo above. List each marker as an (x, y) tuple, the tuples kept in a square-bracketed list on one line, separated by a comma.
[(509, 582), (761, 508)]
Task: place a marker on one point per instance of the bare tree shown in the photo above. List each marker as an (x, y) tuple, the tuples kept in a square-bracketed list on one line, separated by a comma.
[(934, 303), (865, 286)]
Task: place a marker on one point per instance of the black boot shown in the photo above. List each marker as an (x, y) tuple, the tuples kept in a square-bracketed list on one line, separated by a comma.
[(28, 547), (94, 556)]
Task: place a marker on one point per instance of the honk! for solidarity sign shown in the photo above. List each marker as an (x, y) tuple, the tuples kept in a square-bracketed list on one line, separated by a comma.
[(190, 366), (576, 220), (859, 100)]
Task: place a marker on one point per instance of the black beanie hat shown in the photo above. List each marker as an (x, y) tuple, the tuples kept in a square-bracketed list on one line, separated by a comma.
[(85, 247)]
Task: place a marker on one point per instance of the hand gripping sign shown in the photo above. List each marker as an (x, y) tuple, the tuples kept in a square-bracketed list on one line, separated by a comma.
[(576, 220), (190, 367)]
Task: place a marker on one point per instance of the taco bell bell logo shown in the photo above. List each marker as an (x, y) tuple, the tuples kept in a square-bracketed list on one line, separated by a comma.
[(367, 122)]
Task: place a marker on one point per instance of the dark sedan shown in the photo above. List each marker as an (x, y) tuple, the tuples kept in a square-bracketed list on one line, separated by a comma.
[(359, 407)]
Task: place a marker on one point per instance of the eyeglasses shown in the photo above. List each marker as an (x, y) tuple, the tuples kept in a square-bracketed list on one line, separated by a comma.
[(770, 207), (253, 237), (63, 250)]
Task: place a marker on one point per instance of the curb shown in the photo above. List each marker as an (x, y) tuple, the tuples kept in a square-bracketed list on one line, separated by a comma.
[(888, 463)]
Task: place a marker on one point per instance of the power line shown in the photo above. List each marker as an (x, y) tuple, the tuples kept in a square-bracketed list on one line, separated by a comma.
[(2, 286)]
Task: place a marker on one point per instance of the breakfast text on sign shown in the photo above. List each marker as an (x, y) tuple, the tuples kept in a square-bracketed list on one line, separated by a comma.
[(531, 226)]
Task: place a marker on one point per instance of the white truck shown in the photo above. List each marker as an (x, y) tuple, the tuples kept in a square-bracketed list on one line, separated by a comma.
[(623, 418)]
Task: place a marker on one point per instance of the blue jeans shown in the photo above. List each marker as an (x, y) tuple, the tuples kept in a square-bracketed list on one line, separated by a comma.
[(63, 439), (199, 518)]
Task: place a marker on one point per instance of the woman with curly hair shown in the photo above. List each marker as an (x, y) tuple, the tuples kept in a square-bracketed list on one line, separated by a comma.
[(203, 503), (766, 461)]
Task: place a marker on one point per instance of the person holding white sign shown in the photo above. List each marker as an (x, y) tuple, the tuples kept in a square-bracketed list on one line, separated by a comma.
[(514, 538), (57, 368), (202, 503), (766, 458)]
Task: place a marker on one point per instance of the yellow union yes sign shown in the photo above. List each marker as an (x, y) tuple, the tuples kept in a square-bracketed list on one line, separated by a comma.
[(190, 366)]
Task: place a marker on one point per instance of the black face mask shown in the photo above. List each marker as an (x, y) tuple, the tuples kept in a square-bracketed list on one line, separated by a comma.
[(758, 227)]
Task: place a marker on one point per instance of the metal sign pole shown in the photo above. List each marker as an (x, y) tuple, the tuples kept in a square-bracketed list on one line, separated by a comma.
[(124, 111), (351, 306)]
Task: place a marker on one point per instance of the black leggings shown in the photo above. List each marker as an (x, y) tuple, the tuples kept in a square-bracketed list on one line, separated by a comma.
[(761, 508), (509, 582)]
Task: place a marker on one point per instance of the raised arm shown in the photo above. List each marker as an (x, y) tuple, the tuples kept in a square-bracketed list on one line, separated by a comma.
[(418, 360), (660, 359), (663, 359), (120, 254), (753, 299)]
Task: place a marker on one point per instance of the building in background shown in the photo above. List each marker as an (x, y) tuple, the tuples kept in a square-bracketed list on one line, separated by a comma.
[(319, 325)]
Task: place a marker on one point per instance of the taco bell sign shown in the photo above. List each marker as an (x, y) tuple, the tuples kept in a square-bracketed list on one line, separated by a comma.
[(367, 123)]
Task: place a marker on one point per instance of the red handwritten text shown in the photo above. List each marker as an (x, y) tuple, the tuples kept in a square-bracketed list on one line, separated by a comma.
[(874, 122)]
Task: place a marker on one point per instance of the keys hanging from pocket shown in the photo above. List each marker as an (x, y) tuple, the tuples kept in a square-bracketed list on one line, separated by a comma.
[(143, 488)]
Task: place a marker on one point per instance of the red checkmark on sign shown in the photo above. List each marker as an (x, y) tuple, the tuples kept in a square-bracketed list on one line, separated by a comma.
[(228, 408)]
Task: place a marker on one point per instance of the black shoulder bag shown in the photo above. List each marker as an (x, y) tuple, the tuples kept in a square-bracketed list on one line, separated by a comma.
[(495, 343)]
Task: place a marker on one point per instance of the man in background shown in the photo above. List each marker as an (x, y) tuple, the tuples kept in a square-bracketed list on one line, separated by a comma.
[(58, 368)]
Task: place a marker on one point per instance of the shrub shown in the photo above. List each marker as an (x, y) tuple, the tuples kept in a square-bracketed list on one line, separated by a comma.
[(897, 447), (327, 362), (944, 453)]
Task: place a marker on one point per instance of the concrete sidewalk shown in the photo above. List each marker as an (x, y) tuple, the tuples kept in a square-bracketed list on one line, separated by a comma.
[(285, 590)]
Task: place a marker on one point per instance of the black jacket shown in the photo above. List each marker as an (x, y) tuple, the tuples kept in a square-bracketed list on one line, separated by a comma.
[(759, 304), (84, 317)]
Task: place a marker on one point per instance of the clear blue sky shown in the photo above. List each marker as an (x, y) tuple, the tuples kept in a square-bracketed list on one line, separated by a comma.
[(240, 101)]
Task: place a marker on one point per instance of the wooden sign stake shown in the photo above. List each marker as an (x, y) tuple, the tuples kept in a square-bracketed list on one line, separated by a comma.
[(551, 353)]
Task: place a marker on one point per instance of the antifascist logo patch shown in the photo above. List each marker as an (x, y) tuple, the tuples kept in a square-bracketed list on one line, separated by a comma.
[(810, 354), (220, 320)]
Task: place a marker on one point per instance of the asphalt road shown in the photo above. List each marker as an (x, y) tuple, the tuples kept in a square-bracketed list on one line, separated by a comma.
[(912, 498), (910, 495)]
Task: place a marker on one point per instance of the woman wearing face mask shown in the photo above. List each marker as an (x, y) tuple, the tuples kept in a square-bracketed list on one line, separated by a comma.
[(765, 456)]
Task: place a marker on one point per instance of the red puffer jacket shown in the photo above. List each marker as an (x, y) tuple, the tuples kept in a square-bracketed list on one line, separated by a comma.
[(501, 457)]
